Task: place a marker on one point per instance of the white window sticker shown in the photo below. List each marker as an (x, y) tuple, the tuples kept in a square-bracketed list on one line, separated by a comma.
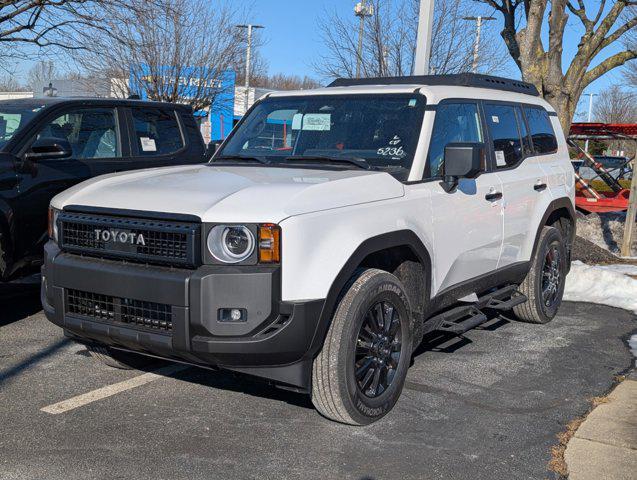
[(495, 119), (500, 159), (318, 122), (148, 144), (413, 102)]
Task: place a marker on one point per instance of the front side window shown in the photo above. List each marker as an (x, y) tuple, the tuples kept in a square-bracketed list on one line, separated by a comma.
[(505, 134), (14, 117), (542, 132), (92, 133), (378, 132), (454, 123), (156, 132)]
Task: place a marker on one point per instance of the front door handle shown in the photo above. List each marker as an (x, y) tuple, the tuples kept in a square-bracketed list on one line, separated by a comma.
[(492, 196), (539, 187)]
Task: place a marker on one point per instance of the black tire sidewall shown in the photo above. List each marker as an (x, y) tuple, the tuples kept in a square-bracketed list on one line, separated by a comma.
[(383, 287), (550, 238)]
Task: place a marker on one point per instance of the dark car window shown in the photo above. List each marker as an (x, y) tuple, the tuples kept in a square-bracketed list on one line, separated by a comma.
[(14, 117), (454, 123), (542, 132), (505, 134), (92, 133), (156, 131)]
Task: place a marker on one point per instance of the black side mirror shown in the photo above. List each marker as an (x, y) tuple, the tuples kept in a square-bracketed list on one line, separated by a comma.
[(46, 148), (212, 148), (462, 160)]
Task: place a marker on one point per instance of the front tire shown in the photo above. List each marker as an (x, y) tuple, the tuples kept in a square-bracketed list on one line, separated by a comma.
[(544, 284), (117, 358), (359, 374)]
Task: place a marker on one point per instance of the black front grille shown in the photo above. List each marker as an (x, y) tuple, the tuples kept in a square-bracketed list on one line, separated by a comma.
[(138, 240), (126, 311)]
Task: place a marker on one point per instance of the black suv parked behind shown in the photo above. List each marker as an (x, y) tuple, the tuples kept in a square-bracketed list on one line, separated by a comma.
[(49, 145)]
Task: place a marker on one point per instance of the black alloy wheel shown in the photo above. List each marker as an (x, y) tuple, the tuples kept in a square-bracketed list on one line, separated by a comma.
[(378, 349)]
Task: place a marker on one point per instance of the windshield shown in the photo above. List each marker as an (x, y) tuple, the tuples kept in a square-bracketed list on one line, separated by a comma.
[(376, 131), (13, 118)]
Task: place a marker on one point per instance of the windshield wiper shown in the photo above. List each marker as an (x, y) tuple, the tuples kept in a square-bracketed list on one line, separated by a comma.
[(242, 158), (356, 161)]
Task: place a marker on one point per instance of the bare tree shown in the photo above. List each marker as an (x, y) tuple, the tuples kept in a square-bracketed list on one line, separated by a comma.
[(38, 27), (8, 83), (281, 81), (41, 73), (390, 39), (541, 63), (174, 50), (616, 105)]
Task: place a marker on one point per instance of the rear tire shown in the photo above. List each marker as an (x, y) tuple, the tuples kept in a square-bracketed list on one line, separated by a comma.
[(544, 284), (117, 358), (359, 374)]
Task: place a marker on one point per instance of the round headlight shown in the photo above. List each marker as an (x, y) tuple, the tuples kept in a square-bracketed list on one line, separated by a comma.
[(231, 243)]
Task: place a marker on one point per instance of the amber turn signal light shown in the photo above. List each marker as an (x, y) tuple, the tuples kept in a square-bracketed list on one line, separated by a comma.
[(269, 243)]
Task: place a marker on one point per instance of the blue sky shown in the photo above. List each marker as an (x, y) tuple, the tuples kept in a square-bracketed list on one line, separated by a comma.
[(293, 40)]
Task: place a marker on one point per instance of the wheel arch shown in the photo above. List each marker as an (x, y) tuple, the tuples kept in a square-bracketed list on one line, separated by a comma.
[(401, 253), (559, 213)]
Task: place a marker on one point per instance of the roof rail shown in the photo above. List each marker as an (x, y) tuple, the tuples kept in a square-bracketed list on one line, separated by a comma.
[(457, 80)]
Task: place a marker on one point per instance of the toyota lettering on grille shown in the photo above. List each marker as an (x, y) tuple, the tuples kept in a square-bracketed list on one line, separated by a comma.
[(118, 236)]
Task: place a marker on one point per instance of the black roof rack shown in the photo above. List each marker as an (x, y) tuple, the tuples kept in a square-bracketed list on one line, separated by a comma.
[(457, 80)]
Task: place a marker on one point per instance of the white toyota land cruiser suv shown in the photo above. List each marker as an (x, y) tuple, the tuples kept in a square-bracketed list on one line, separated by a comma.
[(330, 231)]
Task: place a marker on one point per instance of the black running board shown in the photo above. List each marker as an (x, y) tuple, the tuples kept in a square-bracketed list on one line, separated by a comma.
[(461, 319)]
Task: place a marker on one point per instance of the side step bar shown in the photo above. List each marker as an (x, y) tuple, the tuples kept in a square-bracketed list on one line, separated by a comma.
[(461, 319)]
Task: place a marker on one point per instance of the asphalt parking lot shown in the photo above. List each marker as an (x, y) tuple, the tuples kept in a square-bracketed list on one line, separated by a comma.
[(484, 406)]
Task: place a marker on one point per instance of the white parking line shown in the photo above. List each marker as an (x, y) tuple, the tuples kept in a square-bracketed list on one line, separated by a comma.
[(110, 390)]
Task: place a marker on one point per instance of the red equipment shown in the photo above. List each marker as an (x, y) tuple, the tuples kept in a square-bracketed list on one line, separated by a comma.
[(587, 198)]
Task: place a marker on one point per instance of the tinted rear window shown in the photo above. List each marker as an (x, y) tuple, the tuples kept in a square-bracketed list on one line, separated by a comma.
[(156, 131), (505, 134), (542, 132)]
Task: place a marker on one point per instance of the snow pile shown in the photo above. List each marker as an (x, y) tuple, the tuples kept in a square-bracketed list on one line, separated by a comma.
[(605, 230), (606, 285)]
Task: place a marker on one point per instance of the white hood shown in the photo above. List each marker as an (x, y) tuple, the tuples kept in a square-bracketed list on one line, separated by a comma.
[(232, 194)]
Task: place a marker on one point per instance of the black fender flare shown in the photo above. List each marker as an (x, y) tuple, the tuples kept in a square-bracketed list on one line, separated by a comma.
[(557, 204), (399, 238)]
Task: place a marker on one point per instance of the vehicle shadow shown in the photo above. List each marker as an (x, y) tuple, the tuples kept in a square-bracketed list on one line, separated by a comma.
[(226, 380), (235, 382), (18, 302)]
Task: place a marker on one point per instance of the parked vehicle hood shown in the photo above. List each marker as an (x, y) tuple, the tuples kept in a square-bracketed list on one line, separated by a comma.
[(232, 193)]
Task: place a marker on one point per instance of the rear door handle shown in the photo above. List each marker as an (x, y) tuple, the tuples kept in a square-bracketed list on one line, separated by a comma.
[(539, 187), (492, 196)]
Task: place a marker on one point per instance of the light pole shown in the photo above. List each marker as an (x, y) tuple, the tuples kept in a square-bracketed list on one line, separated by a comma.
[(476, 45), (423, 41), (590, 113), (250, 29), (361, 10)]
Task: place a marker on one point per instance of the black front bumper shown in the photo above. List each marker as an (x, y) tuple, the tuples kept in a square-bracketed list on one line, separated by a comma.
[(277, 340)]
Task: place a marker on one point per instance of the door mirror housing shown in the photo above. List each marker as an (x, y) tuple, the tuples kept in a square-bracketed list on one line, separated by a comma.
[(47, 148), (212, 148), (462, 160)]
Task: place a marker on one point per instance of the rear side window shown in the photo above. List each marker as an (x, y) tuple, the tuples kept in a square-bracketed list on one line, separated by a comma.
[(156, 132), (542, 132), (505, 134)]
